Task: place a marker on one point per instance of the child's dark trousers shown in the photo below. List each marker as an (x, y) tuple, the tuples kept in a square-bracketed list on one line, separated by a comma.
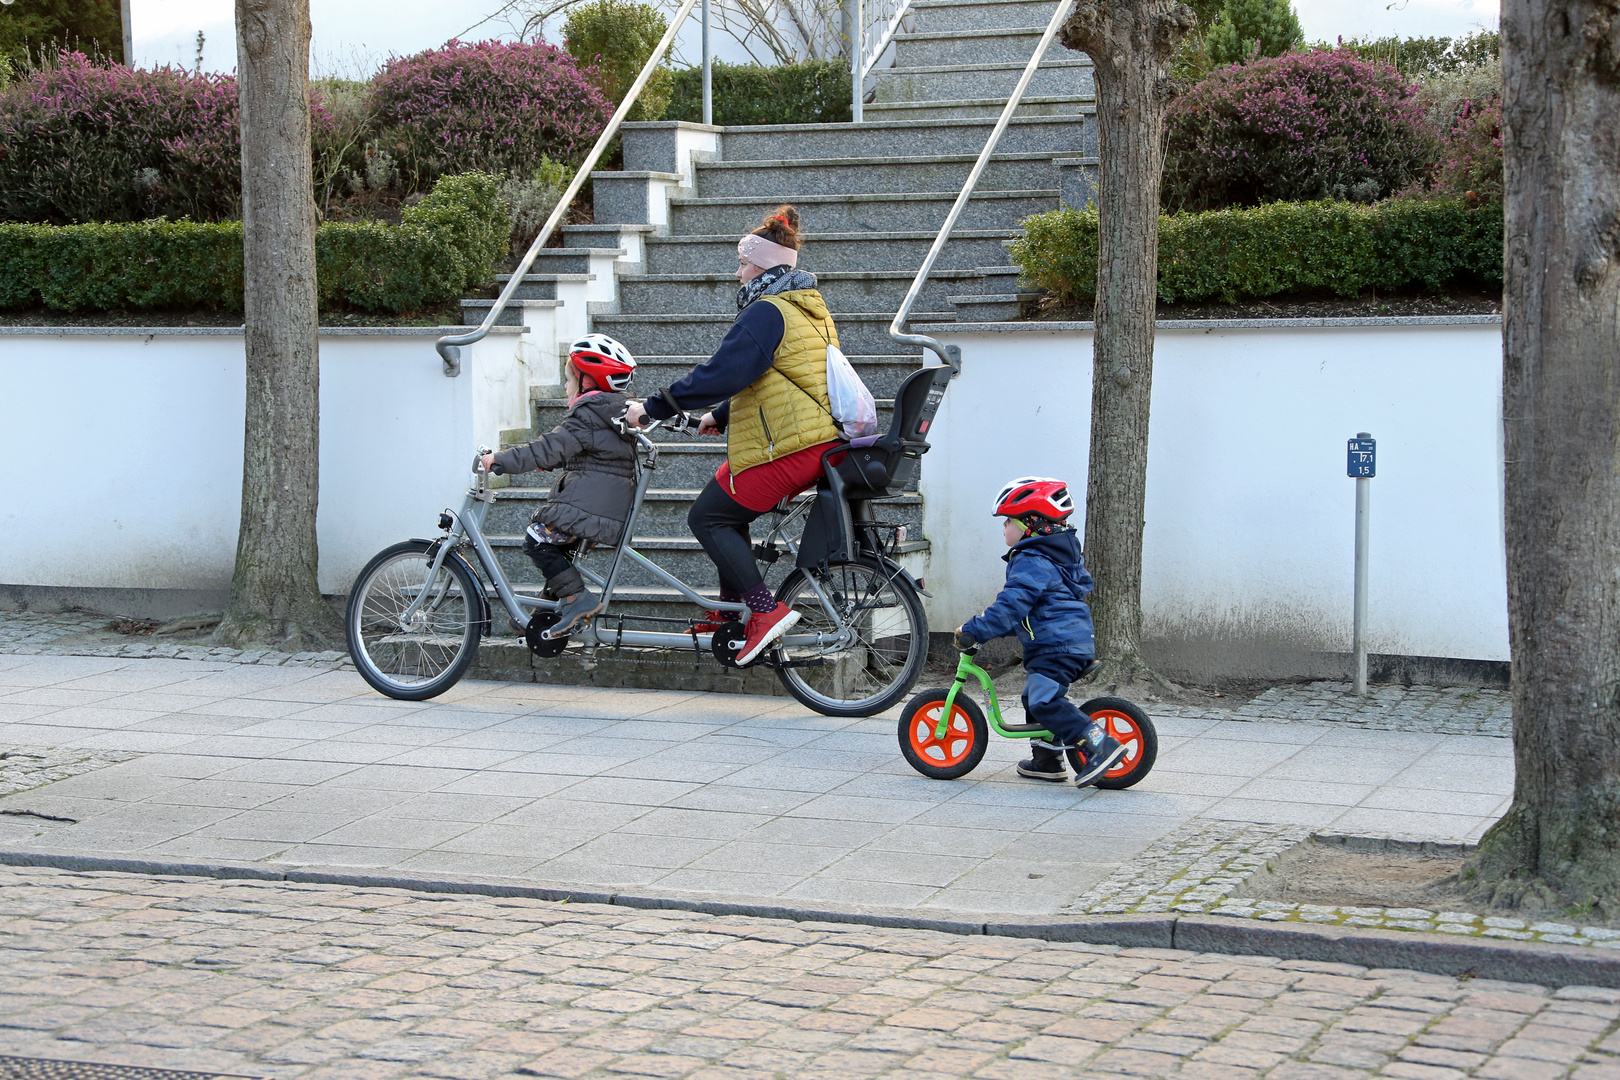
[(1046, 688)]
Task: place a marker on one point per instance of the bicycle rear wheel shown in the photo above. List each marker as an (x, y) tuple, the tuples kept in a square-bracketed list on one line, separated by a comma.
[(422, 655), (888, 641)]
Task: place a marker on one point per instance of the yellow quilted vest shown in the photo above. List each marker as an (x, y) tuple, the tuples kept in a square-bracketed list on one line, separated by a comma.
[(785, 409)]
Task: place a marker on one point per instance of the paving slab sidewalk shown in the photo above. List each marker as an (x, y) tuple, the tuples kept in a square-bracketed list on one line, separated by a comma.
[(678, 793)]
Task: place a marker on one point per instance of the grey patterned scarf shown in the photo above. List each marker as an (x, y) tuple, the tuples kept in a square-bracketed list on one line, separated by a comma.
[(778, 279)]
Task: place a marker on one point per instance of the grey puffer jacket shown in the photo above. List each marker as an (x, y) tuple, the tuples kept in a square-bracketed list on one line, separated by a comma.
[(591, 499)]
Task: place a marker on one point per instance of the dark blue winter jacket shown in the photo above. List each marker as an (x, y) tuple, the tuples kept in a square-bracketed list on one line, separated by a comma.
[(1043, 600)]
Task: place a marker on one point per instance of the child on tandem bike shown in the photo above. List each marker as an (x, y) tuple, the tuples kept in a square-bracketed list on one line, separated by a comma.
[(1043, 602)]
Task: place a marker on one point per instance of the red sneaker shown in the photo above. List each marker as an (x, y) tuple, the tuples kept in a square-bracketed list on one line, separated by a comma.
[(764, 628), (712, 621)]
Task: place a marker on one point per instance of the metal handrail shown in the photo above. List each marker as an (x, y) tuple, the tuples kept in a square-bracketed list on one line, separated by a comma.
[(883, 42), (950, 354), (449, 347)]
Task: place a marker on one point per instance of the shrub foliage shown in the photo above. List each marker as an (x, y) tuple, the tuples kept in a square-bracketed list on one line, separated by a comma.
[(86, 142), (611, 40), (1248, 28), (444, 245), (1297, 127), (1230, 255), (814, 92), (491, 107)]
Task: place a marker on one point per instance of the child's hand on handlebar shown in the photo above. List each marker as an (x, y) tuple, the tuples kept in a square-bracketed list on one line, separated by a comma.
[(965, 642), (489, 462)]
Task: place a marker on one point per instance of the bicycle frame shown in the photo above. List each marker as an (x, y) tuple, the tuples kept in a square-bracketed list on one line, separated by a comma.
[(466, 527), (965, 667)]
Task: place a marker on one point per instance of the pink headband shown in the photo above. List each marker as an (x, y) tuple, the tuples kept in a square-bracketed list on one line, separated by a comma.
[(765, 253)]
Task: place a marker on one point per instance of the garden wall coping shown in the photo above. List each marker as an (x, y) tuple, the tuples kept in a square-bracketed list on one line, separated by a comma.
[(229, 331), (1214, 324)]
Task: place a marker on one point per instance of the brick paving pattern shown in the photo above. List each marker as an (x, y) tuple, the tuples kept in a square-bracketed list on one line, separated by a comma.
[(332, 983), (26, 767), (28, 633), (1195, 869), (1438, 710)]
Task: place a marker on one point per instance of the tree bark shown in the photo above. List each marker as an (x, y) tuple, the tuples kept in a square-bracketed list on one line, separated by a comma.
[(275, 599), (1559, 844), (1131, 44)]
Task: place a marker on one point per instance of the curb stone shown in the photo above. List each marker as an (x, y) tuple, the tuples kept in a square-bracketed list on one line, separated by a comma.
[(1435, 953)]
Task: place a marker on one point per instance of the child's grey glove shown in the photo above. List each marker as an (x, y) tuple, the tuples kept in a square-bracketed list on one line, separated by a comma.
[(964, 641)]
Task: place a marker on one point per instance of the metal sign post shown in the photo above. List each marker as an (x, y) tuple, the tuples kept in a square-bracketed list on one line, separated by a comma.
[(1362, 464)]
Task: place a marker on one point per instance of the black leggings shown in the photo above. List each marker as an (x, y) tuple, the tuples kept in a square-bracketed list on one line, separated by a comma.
[(720, 523)]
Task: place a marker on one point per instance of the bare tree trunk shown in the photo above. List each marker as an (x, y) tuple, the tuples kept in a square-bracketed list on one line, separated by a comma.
[(1559, 843), (1131, 43), (274, 596)]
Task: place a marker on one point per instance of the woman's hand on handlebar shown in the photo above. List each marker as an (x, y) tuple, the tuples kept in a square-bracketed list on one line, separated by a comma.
[(489, 462), (709, 426), (634, 414)]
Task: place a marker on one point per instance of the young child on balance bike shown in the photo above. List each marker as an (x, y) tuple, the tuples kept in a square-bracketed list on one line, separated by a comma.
[(1043, 602)]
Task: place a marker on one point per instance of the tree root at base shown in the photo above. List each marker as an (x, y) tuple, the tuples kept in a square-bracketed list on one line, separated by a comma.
[(1130, 677)]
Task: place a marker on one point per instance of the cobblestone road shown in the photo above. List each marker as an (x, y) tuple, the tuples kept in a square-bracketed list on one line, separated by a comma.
[(330, 983)]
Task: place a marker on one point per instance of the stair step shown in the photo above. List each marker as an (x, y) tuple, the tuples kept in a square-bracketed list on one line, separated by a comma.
[(982, 46), (824, 252), (1056, 135), (858, 332), (855, 290), (788, 180), (473, 312), (881, 374), (928, 83), (877, 212), (1071, 106), (936, 15), (542, 286), (664, 511)]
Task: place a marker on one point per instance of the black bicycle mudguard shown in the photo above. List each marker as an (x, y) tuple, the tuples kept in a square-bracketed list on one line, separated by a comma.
[(455, 556), (829, 533)]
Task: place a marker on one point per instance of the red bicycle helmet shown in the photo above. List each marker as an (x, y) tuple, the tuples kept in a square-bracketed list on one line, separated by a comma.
[(1037, 501), (604, 360)]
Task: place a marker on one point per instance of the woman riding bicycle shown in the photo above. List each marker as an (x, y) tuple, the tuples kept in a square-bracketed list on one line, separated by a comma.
[(770, 376)]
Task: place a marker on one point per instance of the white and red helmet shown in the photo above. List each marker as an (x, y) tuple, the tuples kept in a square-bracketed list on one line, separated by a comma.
[(1035, 500), (604, 360)]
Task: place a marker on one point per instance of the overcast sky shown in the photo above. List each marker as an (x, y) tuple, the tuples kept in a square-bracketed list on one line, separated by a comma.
[(353, 36)]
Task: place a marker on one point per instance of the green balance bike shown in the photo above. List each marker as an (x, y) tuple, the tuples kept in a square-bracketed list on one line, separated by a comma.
[(943, 732)]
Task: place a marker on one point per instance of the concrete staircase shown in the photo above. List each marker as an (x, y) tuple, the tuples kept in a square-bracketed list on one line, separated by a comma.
[(655, 271)]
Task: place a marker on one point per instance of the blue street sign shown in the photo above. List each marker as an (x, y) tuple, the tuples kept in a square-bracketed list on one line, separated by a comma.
[(1363, 456)]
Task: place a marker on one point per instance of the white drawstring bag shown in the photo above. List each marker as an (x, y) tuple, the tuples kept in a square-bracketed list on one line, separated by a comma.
[(848, 399)]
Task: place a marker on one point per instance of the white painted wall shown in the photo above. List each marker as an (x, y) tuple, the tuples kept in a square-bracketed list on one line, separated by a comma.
[(122, 469), (1250, 517), (123, 452)]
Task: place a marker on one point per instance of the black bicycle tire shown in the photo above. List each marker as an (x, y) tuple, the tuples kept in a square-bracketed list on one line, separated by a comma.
[(916, 657), (378, 680)]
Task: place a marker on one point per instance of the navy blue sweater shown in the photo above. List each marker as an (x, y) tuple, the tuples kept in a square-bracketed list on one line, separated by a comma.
[(1043, 601), (745, 354)]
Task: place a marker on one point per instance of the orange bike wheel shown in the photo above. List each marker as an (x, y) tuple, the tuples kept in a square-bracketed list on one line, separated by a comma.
[(959, 751), (1134, 729)]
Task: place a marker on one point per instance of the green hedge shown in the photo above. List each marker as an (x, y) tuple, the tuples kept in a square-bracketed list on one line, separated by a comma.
[(814, 92), (443, 247), (1229, 255)]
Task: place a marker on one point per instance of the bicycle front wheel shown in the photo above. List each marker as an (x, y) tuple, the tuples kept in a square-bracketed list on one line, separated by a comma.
[(411, 654), (886, 639)]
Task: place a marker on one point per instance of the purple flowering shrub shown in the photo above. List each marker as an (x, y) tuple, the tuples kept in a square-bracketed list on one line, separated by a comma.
[(84, 142), (1465, 114), (1317, 125), (492, 106)]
